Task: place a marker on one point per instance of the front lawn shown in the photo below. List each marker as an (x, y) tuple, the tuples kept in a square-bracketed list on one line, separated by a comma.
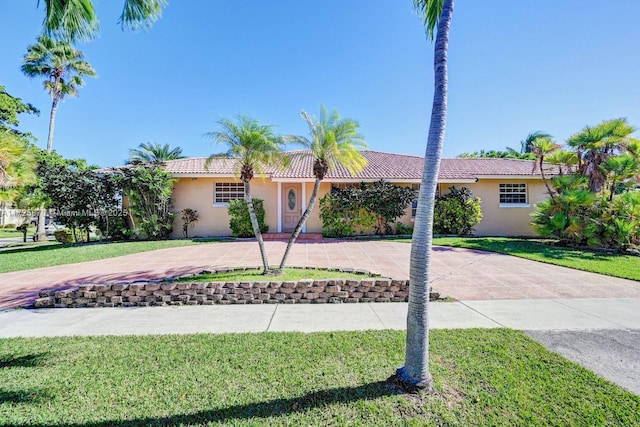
[(483, 377), (288, 275), (617, 265), (47, 255)]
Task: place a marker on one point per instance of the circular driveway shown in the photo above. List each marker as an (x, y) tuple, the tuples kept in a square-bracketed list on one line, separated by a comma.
[(462, 274)]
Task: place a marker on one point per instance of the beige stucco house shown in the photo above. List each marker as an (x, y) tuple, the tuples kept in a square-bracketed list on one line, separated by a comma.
[(509, 190)]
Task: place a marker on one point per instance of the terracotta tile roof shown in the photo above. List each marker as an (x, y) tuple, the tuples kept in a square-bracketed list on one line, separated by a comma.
[(380, 166)]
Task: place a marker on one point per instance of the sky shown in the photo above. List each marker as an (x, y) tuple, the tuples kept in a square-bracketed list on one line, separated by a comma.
[(514, 67)]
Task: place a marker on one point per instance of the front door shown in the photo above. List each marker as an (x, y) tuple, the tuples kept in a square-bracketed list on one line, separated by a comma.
[(291, 207)]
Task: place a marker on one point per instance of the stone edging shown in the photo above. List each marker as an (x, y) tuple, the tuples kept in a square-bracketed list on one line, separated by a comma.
[(371, 289)]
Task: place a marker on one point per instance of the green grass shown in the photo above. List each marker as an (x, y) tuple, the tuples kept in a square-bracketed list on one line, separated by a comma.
[(289, 274), (483, 377), (47, 255), (12, 232), (617, 265)]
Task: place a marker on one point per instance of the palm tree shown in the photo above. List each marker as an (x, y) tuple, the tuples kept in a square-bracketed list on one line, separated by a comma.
[(596, 144), (77, 19), (17, 165), (332, 141), (154, 153), (62, 66), (256, 147), (415, 372), (527, 144), (541, 147)]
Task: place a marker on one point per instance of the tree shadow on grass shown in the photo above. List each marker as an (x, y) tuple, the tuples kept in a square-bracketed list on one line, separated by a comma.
[(27, 361), (252, 411)]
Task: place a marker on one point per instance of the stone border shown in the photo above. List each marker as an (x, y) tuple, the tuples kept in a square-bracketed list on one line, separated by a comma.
[(145, 294)]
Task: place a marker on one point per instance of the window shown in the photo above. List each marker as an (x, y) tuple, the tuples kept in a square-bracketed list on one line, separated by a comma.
[(513, 194), (225, 191), (414, 204)]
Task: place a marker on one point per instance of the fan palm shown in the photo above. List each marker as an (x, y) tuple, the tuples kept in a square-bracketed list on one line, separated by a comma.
[(62, 66), (332, 141), (415, 373), (256, 147), (541, 147), (154, 153), (77, 19)]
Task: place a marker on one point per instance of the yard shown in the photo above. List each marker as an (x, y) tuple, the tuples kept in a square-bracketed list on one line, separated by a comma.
[(482, 377)]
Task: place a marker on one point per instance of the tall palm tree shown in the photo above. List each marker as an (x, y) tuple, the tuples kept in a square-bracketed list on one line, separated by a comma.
[(63, 68), (77, 19), (543, 146), (256, 147), (332, 141), (415, 372), (154, 153)]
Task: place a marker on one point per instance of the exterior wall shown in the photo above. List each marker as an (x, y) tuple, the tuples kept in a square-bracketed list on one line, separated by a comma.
[(197, 193), (314, 224), (504, 221)]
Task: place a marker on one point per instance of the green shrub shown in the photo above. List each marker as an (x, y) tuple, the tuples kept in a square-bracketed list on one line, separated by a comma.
[(239, 220), (63, 236), (343, 214), (456, 212), (403, 229)]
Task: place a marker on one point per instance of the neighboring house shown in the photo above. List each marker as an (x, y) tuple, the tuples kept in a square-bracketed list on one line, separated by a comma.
[(509, 190)]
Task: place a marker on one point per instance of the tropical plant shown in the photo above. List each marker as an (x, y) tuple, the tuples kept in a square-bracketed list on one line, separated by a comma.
[(63, 68), (154, 153), (594, 145), (17, 165), (456, 212), (240, 221), (255, 147), (415, 372), (541, 147), (189, 216), (148, 188), (343, 213), (527, 143), (508, 153), (77, 19), (332, 141)]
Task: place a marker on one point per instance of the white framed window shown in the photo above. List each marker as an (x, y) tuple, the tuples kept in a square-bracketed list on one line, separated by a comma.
[(513, 195), (223, 192)]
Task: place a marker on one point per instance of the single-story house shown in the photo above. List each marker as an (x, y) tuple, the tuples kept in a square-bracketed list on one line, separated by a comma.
[(509, 190)]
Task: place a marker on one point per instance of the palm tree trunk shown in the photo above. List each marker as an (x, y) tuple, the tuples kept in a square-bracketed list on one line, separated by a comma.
[(41, 234), (303, 220), (256, 226), (415, 373), (544, 179), (52, 123)]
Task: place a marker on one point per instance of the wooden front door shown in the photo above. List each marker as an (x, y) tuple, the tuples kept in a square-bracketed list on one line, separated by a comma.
[(291, 206)]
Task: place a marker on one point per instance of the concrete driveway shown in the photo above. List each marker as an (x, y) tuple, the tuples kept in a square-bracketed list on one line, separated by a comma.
[(462, 274)]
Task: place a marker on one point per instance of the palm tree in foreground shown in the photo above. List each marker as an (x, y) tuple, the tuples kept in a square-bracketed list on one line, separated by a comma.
[(77, 19), (415, 372), (332, 141), (256, 147), (154, 153)]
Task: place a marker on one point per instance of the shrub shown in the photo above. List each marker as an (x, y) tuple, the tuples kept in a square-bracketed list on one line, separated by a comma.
[(63, 236), (189, 216), (403, 229), (456, 212), (343, 214), (239, 220)]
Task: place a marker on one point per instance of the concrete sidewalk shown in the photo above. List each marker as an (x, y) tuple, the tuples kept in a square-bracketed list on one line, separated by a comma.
[(552, 314)]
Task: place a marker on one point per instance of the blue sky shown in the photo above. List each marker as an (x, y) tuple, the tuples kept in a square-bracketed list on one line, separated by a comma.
[(515, 67)]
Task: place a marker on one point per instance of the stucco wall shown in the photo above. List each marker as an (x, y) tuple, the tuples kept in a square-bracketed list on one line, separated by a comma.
[(503, 221), (214, 220), (197, 193)]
